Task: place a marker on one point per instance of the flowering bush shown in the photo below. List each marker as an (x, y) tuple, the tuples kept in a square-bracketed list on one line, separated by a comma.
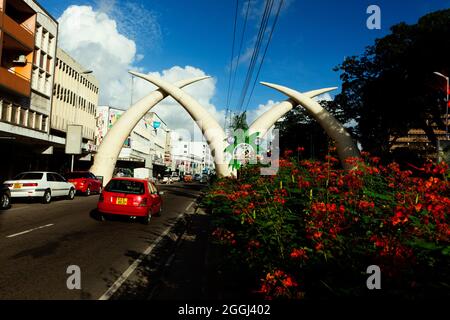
[(313, 229)]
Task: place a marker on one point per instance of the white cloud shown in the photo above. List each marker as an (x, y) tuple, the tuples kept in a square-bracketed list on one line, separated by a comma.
[(135, 20), (253, 114), (170, 111), (93, 39), (324, 97)]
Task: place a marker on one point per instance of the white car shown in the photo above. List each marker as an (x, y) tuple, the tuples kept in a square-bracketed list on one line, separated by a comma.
[(167, 180), (37, 184)]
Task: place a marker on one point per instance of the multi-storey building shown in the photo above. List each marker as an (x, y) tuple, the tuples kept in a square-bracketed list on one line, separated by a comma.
[(75, 99), (417, 141), (192, 157), (160, 142), (35, 110), (146, 145), (27, 50), (43, 65)]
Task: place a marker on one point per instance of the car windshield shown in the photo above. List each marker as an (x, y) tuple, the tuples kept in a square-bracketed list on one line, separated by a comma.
[(77, 175), (29, 176), (125, 186)]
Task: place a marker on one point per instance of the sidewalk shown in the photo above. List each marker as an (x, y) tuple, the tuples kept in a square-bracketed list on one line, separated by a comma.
[(193, 272)]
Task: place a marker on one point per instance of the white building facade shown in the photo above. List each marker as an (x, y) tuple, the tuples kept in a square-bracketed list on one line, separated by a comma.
[(75, 99), (43, 66), (192, 157), (146, 146)]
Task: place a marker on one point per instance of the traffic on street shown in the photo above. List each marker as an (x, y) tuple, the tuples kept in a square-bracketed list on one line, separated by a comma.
[(39, 242)]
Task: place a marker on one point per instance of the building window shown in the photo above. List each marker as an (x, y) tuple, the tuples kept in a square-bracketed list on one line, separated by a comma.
[(49, 64), (41, 61), (44, 35)]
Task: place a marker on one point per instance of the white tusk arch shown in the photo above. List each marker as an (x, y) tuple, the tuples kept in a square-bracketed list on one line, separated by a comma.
[(268, 119), (211, 129), (345, 146), (109, 150)]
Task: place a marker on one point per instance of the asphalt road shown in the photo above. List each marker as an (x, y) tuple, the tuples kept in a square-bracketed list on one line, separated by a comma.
[(39, 242)]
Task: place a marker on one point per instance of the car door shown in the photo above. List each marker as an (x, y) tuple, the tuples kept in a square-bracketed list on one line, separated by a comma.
[(63, 187), (52, 184), (96, 183)]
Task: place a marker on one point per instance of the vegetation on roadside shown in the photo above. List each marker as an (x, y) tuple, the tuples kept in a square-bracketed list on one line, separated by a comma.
[(313, 229)]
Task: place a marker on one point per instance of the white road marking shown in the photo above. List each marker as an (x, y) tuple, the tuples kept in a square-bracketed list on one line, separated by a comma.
[(28, 231), (189, 206), (120, 281)]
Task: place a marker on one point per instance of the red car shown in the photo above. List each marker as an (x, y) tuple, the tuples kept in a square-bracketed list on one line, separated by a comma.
[(130, 197), (85, 182)]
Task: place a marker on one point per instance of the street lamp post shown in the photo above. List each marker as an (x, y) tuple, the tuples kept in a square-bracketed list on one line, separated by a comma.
[(447, 101)]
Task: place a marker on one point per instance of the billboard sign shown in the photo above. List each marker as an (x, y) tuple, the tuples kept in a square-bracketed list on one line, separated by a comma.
[(74, 139)]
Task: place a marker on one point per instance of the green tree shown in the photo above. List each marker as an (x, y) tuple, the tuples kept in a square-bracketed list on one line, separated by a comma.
[(240, 121), (298, 129), (391, 88)]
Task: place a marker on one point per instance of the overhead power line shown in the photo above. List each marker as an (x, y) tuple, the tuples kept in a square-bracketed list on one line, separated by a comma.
[(231, 63), (240, 49), (258, 42), (265, 52)]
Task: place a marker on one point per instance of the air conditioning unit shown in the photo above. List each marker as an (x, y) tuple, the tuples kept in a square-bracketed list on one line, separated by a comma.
[(22, 59)]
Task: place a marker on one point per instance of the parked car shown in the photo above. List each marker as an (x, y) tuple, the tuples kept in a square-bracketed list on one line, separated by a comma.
[(5, 197), (197, 177), (38, 184), (204, 178), (85, 182), (187, 178), (130, 197), (167, 179), (175, 177)]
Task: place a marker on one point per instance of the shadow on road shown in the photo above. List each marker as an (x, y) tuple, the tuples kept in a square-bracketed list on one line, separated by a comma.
[(186, 265)]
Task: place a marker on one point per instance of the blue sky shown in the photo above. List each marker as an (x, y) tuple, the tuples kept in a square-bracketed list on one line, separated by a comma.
[(310, 39)]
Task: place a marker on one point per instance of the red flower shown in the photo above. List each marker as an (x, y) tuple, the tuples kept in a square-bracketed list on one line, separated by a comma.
[(288, 282), (319, 246), (365, 205), (299, 254), (288, 153), (318, 234)]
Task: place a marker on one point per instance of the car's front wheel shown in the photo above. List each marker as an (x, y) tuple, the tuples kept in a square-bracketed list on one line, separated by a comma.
[(5, 201), (47, 198), (71, 194)]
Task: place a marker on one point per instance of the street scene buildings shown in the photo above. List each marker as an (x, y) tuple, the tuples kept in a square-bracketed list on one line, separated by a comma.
[(43, 90), (265, 155), (147, 150)]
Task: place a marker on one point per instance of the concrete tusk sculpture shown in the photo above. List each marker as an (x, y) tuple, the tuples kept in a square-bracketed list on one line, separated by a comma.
[(345, 146), (109, 150), (211, 129), (269, 118)]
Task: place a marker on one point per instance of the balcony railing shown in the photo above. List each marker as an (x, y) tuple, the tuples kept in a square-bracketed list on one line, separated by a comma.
[(19, 32), (14, 114), (15, 82)]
